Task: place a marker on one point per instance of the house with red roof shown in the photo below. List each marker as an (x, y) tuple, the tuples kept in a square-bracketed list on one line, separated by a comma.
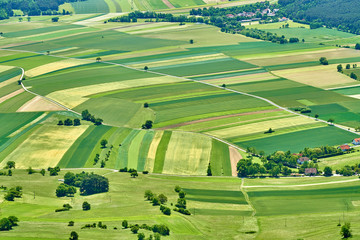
[(356, 141), (303, 159), (344, 148), (310, 171)]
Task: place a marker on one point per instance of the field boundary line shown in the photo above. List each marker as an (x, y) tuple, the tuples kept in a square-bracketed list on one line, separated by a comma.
[(301, 185), (247, 197)]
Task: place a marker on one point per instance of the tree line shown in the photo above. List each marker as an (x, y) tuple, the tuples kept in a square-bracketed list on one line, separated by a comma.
[(340, 14), (32, 7)]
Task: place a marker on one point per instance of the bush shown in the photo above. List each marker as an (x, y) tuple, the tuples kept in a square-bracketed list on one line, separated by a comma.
[(182, 211), (141, 236), (165, 210), (66, 207), (145, 172), (182, 194), (71, 223), (125, 224), (162, 198), (86, 206), (162, 229), (123, 169), (135, 229)]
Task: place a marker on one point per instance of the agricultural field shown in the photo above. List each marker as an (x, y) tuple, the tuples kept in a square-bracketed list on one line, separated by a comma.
[(178, 103)]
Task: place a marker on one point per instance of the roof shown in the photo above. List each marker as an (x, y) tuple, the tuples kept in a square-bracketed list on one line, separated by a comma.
[(304, 159), (310, 171), (344, 147), (357, 139)]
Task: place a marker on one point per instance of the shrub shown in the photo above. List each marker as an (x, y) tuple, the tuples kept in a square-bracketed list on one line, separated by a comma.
[(71, 223), (86, 206), (177, 189), (135, 229), (125, 224)]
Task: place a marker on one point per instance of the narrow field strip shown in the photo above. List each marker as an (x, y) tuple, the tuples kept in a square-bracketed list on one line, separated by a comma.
[(144, 150), (161, 152), (150, 160)]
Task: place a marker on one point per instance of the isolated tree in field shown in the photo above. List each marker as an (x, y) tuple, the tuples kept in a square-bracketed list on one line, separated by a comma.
[(134, 174), (125, 224), (345, 231), (191, 41), (146, 105), (353, 76), (42, 172), (357, 46), (98, 59), (209, 173), (327, 171), (348, 66), (147, 125), (28, 18), (339, 68), (223, 85), (146, 68), (55, 19), (48, 52), (10, 164), (103, 143), (316, 116), (323, 61), (86, 206), (331, 121), (60, 123), (74, 236)]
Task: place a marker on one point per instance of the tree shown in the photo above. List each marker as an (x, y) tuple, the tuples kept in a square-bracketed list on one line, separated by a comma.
[(275, 171), (48, 52), (323, 61), (223, 85), (55, 19), (20, 19), (69, 178), (339, 68), (191, 41), (98, 59), (74, 236), (5, 224), (347, 66), (327, 171), (177, 188), (345, 231), (68, 122), (134, 174), (148, 195), (76, 122), (146, 68), (162, 198), (71, 224), (331, 121), (182, 194), (10, 164), (30, 170), (146, 105), (94, 183), (28, 18), (60, 123), (135, 229), (147, 125), (125, 224), (13, 220), (98, 121), (316, 116), (61, 190), (85, 115), (357, 46), (86, 206), (42, 172), (141, 236), (209, 170), (353, 76), (103, 143)]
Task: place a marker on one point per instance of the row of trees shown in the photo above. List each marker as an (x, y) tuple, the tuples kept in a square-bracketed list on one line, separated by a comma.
[(89, 117), (69, 122)]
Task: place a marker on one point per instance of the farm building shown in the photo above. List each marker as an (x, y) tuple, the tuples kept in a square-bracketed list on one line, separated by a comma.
[(310, 171), (356, 141), (303, 159), (344, 147)]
